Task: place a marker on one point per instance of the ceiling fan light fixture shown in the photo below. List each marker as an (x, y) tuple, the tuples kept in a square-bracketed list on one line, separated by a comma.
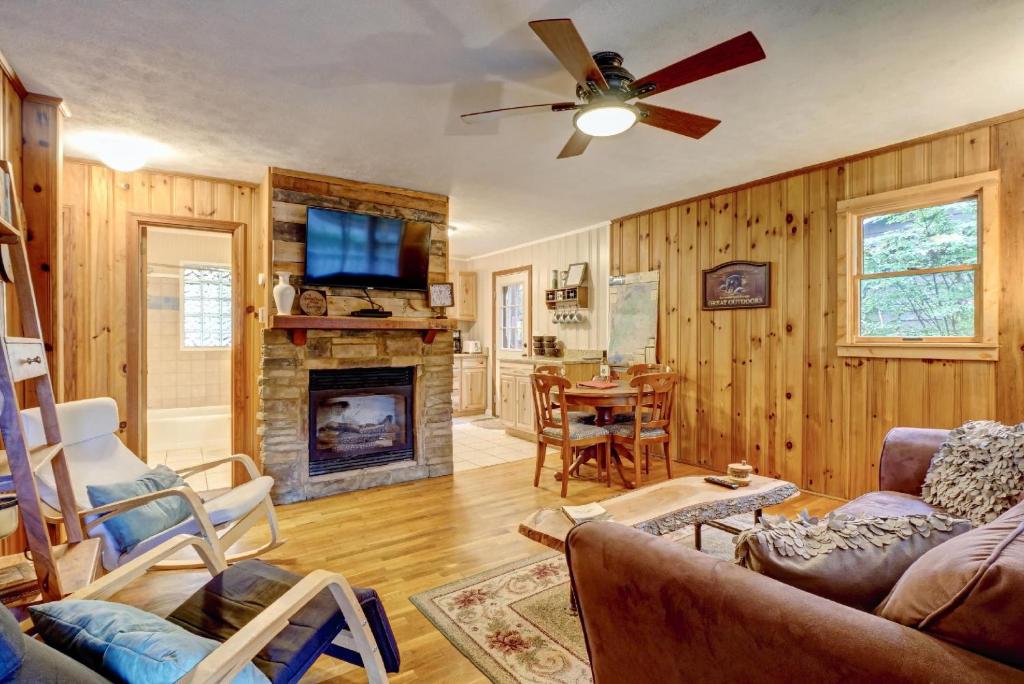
[(604, 120)]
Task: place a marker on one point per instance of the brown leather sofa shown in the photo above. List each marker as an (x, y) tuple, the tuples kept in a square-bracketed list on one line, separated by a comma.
[(663, 613)]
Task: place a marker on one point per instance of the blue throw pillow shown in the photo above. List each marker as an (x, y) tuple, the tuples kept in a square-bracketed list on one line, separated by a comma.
[(128, 529), (126, 644)]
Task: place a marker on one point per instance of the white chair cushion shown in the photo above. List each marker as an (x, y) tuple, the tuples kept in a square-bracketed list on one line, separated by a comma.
[(577, 431), (223, 509), (629, 430), (79, 421), (100, 460)]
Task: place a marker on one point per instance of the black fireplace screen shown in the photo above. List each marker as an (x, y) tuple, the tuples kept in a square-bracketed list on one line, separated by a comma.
[(359, 417)]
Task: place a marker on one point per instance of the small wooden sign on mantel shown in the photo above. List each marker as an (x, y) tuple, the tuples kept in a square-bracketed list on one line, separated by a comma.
[(737, 285)]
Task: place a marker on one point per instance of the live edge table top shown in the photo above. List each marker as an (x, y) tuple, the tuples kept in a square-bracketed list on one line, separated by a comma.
[(666, 507)]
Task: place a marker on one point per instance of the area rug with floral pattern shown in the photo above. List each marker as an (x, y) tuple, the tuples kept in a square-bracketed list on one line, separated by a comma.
[(513, 622)]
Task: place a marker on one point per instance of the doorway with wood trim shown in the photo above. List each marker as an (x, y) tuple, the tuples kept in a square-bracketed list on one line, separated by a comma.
[(185, 373), (512, 320)]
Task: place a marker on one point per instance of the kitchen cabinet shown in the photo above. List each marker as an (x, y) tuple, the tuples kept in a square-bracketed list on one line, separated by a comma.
[(469, 384), (465, 296)]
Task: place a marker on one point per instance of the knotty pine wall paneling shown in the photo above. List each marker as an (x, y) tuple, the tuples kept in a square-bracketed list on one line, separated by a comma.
[(98, 202), (766, 384)]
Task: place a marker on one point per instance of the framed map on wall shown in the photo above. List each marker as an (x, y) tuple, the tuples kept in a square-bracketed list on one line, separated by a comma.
[(632, 316)]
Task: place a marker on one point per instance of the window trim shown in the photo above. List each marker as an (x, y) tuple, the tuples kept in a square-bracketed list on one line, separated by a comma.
[(850, 213), (182, 265)]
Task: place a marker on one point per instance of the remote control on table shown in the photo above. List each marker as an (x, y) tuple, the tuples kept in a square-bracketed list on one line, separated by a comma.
[(721, 482)]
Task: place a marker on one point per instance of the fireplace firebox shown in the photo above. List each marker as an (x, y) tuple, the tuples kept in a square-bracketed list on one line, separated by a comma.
[(359, 417)]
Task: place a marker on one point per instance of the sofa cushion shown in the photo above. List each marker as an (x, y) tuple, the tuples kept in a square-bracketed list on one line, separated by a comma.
[(969, 591), (978, 472), (234, 597), (850, 560), (12, 643), (886, 504), (128, 529), (124, 643)]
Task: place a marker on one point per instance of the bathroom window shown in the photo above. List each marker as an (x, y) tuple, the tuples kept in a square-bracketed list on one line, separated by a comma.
[(205, 306)]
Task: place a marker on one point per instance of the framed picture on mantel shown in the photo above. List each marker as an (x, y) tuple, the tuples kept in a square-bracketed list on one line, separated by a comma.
[(737, 285)]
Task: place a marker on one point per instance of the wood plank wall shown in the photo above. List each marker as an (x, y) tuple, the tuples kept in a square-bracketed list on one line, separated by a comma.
[(558, 252), (766, 384), (97, 205)]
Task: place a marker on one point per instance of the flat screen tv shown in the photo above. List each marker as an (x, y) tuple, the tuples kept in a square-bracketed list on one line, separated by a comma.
[(346, 249)]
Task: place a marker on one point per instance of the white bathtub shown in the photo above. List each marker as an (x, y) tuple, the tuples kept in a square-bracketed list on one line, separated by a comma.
[(188, 428)]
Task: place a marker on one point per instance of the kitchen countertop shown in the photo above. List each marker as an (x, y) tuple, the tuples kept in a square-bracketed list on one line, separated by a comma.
[(542, 360), (469, 354)]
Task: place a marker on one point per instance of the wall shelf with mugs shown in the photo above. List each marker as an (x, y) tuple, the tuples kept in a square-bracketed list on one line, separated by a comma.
[(565, 304)]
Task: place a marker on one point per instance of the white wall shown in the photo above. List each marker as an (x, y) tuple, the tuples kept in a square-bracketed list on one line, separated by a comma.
[(590, 245)]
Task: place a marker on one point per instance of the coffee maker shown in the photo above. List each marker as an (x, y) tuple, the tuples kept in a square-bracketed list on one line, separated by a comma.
[(457, 340)]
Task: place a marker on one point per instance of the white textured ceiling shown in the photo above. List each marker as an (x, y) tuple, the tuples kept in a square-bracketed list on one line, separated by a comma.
[(372, 90)]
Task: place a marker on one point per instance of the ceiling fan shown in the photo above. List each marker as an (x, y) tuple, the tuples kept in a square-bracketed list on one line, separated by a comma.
[(604, 87)]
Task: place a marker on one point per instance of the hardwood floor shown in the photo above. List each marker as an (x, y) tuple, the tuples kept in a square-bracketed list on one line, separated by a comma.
[(408, 538)]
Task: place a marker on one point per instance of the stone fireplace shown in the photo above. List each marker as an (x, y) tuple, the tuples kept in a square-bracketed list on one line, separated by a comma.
[(342, 406), (313, 446)]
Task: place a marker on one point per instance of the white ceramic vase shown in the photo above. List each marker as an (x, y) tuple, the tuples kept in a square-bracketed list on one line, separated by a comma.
[(284, 293)]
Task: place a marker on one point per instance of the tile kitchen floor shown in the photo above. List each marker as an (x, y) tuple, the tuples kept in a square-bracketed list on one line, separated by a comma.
[(478, 447)]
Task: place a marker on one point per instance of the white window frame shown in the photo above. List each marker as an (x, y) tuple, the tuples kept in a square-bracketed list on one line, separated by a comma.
[(984, 345), (182, 265)]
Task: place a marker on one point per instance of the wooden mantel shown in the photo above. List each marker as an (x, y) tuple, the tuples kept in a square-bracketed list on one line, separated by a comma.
[(298, 325)]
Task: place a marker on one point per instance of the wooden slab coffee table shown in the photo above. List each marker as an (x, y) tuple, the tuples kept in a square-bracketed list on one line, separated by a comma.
[(668, 506)]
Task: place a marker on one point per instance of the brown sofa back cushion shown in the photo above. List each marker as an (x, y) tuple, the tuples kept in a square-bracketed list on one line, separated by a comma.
[(970, 590)]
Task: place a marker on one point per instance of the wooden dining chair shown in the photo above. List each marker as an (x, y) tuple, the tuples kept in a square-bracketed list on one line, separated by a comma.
[(578, 416), (554, 428), (645, 369), (651, 419)]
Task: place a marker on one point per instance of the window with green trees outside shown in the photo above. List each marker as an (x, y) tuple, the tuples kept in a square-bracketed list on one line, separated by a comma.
[(918, 272)]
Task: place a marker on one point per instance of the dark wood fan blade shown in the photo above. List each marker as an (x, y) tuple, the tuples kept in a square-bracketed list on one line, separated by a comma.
[(561, 37), (733, 53), (683, 123), (489, 114), (576, 146)]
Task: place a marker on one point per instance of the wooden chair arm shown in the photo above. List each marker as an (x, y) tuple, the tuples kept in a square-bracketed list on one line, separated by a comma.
[(192, 500), (244, 459), (116, 580), (232, 655)]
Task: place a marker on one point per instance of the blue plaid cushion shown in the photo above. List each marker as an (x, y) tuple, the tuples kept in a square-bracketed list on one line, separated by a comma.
[(578, 431), (629, 430)]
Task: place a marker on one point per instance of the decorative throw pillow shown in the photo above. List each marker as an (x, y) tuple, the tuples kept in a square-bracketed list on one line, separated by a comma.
[(854, 561), (126, 644), (128, 529), (969, 591), (978, 472)]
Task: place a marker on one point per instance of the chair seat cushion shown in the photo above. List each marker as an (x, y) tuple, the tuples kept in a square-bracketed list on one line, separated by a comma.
[(124, 643), (581, 417), (629, 430), (577, 431), (226, 508), (128, 529), (886, 504), (234, 597)]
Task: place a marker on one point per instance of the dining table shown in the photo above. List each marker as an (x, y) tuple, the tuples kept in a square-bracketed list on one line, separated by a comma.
[(606, 402)]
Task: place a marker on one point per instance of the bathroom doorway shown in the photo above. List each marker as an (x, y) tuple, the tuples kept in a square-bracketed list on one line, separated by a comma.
[(187, 354)]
